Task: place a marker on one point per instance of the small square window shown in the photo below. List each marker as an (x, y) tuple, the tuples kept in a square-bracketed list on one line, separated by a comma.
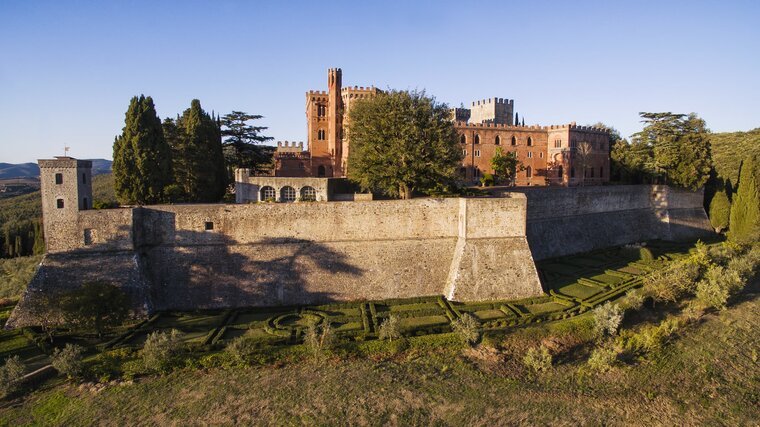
[(59, 178), (59, 203), (209, 225)]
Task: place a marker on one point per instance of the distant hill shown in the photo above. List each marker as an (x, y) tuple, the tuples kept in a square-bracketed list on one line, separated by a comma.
[(730, 148), (31, 170)]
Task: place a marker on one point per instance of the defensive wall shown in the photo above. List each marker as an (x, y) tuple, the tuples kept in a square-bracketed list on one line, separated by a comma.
[(180, 257), (564, 221)]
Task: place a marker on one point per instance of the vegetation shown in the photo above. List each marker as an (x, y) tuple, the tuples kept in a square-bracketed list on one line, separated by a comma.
[(402, 142), (468, 328), (729, 149), (505, 166), (15, 274), (745, 210), (719, 211), (240, 143), (68, 360), (538, 359), (607, 319), (389, 329), (11, 374), (141, 156), (160, 349), (95, 306), (320, 338)]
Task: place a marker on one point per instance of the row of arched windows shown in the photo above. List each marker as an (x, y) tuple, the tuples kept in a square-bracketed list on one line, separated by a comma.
[(497, 140), (288, 194)]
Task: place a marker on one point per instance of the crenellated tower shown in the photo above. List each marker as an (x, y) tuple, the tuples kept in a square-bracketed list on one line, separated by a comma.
[(66, 187), (335, 120)]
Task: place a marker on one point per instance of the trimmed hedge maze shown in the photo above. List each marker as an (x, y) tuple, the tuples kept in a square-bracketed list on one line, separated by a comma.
[(574, 284)]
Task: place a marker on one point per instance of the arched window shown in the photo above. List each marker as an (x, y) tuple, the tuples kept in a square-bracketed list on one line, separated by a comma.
[(308, 194), (497, 141), (528, 172), (268, 194), (530, 142), (287, 194), (477, 139), (514, 140), (462, 140), (321, 171), (321, 134)]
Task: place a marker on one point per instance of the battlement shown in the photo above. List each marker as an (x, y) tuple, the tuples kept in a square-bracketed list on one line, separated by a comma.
[(573, 126), (498, 126), (493, 101), (301, 155), (358, 89), (289, 147), (316, 93)]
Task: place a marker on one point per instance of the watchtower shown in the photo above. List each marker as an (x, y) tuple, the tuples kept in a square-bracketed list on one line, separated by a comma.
[(66, 187)]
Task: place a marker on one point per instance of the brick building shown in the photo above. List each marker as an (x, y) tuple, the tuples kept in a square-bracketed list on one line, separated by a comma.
[(551, 155)]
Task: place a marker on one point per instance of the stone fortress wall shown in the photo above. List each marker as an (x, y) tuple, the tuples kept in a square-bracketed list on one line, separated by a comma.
[(180, 257)]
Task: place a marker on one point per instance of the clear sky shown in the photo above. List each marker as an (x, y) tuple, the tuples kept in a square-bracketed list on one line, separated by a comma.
[(69, 68)]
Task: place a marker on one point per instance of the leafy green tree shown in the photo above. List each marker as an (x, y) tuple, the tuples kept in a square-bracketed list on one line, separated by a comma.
[(95, 306), (720, 211), (198, 166), (680, 146), (240, 142), (402, 142), (142, 158), (745, 209), (506, 165), (631, 162)]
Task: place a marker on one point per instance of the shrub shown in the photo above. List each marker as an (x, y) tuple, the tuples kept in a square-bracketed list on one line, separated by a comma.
[(634, 300), (645, 254), (390, 329), (240, 348), (468, 328), (672, 282), (487, 180), (11, 374), (68, 361), (538, 359), (159, 350), (320, 339), (719, 212), (650, 338), (607, 319), (602, 359)]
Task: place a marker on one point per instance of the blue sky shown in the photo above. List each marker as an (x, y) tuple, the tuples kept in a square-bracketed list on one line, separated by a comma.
[(69, 68)]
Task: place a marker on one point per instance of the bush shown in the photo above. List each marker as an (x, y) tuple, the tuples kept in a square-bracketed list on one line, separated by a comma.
[(602, 359), (390, 329), (650, 338), (717, 285), (538, 359), (159, 350), (645, 254), (671, 283), (240, 348), (607, 319), (68, 361), (634, 300), (487, 180), (11, 374), (320, 339), (468, 328), (719, 212)]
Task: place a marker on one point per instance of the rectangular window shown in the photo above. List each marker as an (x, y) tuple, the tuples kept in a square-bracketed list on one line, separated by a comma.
[(464, 153), (557, 143), (59, 203), (59, 178), (209, 225), (477, 153), (530, 154), (541, 155)]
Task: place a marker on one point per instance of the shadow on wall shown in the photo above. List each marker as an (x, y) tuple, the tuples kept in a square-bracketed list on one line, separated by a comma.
[(208, 269)]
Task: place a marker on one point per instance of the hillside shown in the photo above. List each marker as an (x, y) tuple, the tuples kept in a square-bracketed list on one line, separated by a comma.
[(730, 148), (31, 170)]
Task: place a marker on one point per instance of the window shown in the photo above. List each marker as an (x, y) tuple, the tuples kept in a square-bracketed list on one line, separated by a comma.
[(497, 141), (541, 155), (528, 172), (477, 173), (462, 140), (321, 134), (288, 194), (557, 143), (208, 226), (573, 144), (59, 178), (320, 171), (530, 142), (559, 172), (308, 194), (477, 139), (530, 154), (477, 153), (59, 203), (85, 205), (84, 178), (514, 140), (321, 110), (464, 153), (267, 194)]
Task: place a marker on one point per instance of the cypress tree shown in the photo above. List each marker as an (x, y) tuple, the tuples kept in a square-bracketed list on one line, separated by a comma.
[(142, 158), (745, 209), (720, 211), (39, 240)]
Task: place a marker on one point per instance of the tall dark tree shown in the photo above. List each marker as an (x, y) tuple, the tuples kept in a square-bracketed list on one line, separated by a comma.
[(142, 159), (198, 165), (744, 224), (402, 142), (240, 142)]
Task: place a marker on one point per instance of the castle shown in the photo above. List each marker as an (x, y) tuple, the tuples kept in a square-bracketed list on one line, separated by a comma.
[(566, 155)]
